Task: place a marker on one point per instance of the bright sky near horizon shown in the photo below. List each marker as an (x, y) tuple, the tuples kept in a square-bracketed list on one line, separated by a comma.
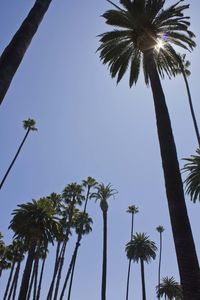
[(88, 126)]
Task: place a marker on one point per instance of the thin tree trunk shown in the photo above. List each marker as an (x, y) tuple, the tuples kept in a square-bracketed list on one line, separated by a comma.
[(56, 267), (104, 265), (60, 270), (71, 279), (14, 52), (129, 263), (9, 281), (143, 280), (35, 279), (183, 239), (14, 282), (40, 279), (14, 159), (27, 273), (71, 266), (159, 266), (191, 108), (31, 281)]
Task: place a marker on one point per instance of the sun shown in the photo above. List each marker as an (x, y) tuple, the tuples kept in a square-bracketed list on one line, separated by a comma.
[(159, 44)]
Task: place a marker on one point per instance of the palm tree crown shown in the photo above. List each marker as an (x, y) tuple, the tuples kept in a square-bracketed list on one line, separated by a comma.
[(170, 289), (29, 124), (132, 209), (140, 247), (160, 228), (144, 25)]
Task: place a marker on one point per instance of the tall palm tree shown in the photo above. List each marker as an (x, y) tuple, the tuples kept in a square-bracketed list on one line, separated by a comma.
[(131, 210), (139, 28), (192, 180), (142, 249), (82, 227), (183, 69), (102, 194), (88, 183), (13, 54), (160, 230), (72, 196), (170, 289), (29, 125), (35, 223)]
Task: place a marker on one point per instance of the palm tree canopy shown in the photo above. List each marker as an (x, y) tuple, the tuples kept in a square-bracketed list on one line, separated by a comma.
[(29, 124), (141, 248), (103, 193), (132, 209), (192, 180), (73, 194), (183, 65), (35, 220), (82, 223), (89, 182), (139, 26), (160, 228), (170, 289)]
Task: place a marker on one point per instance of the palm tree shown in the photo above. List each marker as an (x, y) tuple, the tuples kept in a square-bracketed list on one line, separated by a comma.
[(183, 69), (14, 52), (35, 223), (139, 28), (72, 196), (88, 183), (140, 248), (29, 125), (160, 230), (170, 289), (82, 227), (192, 180), (103, 193), (131, 210)]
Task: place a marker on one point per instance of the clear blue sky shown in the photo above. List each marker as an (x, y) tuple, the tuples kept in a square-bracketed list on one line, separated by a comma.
[(88, 126)]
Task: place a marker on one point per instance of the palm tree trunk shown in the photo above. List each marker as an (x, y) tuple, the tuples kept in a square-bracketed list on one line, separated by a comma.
[(14, 159), (35, 279), (183, 239), (40, 279), (27, 273), (71, 280), (9, 281), (191, 107), (71, 267), (31, 281), (104, 264), (129, 264), (14, 52), (143, 280), (56, 267), (159, 265), (14, 282)]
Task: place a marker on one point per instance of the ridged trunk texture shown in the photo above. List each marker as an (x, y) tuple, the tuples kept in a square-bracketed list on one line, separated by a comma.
[(14, 52), (183, 239)]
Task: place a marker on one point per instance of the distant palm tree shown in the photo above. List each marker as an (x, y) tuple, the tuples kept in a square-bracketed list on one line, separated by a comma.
[(82, 227), (88, 183), (35, 223), (14, 52), (142, 249), (142, 36), (183, 68), (72, 196), (160, 230), (131, 210), (192, 181), (102, 194), (170, 289), (29, 125)]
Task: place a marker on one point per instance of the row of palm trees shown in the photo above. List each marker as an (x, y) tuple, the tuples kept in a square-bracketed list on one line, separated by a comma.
[(52, 219)]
